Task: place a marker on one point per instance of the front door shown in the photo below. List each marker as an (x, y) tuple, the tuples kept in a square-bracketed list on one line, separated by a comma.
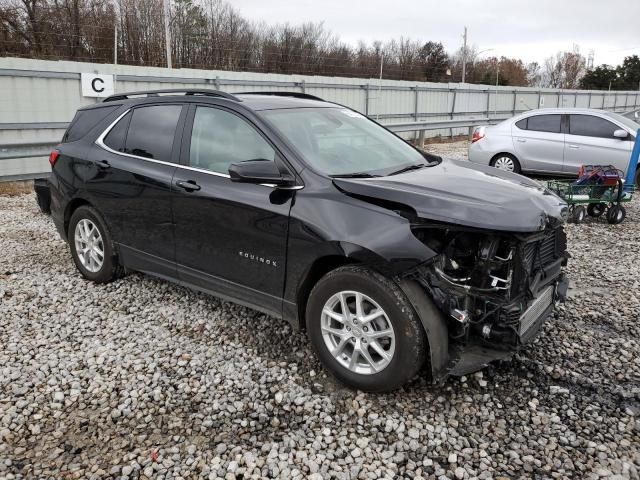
[(539, 143), (231, 238), (590, 141)]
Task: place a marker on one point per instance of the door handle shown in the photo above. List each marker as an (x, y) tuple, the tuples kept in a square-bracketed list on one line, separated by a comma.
[(103, 164), (522, 140), (574, 147), (188, 185)]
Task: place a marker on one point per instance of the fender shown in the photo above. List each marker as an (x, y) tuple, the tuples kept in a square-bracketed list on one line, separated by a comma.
[(434, 326)]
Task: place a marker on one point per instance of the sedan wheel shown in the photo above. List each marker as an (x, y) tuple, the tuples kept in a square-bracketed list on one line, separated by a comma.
[(357, 332), (505, 163)]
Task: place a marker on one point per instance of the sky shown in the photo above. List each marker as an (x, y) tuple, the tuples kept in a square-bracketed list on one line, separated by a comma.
[(530, 30)]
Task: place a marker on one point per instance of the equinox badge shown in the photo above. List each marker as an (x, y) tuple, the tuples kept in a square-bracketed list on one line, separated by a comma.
[(256, 258)]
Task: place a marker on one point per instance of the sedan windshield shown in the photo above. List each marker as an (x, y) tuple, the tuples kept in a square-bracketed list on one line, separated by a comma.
[(341, 142)]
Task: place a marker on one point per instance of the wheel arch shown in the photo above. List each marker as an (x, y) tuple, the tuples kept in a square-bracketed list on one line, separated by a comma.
[(434, 325), (71, 207), (318, 269), (504, 153)]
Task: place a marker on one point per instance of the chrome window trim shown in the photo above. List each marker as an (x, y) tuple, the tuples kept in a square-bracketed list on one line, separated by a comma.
[(100, 142)]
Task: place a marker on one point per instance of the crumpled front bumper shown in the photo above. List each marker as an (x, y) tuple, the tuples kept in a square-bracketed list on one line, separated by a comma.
[(475, 356)]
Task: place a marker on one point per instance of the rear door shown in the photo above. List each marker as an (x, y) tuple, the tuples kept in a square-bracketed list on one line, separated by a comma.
[(231, 238), (539, 142), (590, 141), (131, 186)]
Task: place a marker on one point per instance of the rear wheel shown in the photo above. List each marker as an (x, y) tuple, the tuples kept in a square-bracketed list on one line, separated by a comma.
[(364, 330), (91, 246), (579, 213), (507, 162)]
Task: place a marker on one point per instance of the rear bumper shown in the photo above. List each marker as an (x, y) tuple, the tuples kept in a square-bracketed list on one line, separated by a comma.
[(478, 152)]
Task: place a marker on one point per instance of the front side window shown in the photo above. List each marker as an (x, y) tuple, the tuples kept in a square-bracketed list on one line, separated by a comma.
[(544, 123), (591, 126), (150, 133), (220, 138), (337, 141)]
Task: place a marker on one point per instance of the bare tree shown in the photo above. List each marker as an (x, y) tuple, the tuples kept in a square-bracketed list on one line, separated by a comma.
[(565, 70)]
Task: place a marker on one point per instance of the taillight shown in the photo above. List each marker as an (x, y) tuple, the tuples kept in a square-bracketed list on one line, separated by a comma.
[(478, 134), (53, 157)]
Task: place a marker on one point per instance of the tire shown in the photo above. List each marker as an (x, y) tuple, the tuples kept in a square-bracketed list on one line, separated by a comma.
[(596, 210), (616, 214), (405, 353), (578, 214), (100, 272), (637, 180), (506, 159)]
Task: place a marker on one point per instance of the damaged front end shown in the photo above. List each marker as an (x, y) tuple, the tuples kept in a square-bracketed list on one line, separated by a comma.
[(495, 288)]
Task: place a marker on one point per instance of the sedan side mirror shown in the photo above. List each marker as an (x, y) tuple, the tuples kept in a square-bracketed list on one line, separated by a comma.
[(258, 171), (621, 134)]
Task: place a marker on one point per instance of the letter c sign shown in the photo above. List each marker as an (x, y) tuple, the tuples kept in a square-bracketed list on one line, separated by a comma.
[(94, 85)]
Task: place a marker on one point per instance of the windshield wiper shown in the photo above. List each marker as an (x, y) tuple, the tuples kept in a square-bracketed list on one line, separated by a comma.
[(354, 175), (409, 168)]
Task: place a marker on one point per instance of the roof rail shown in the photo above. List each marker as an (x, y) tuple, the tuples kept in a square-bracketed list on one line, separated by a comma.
[(285, 94), (185, 91)]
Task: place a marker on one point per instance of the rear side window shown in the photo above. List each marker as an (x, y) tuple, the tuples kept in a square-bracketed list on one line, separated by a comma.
[(544, 123), (84, 121), (151, 131), (590, 126), (118, 134)]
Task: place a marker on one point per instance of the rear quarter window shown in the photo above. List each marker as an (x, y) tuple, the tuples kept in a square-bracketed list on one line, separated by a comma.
[(522, 124), (84, 121)]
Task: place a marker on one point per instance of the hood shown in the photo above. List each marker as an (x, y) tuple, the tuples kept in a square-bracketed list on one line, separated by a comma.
[(467, 194)]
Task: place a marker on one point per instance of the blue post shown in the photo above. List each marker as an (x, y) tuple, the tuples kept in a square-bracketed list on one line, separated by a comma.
[(633, 164)]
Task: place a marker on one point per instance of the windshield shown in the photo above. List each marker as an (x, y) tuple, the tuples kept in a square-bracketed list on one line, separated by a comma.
[(625, 121), (341, 142)]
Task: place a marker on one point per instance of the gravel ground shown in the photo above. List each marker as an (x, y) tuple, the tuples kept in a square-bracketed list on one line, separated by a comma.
[(143, 379), (450, 149)]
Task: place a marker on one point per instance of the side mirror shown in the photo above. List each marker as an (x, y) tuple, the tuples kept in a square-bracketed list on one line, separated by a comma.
[(258, 171), (621, 134)]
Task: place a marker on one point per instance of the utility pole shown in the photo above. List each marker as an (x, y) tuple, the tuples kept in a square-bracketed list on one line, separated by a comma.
[(167, 31), (380, 85), (115, 43), (464, 55)]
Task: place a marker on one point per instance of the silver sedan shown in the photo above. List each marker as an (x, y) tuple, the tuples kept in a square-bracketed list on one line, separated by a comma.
[(556, 141)]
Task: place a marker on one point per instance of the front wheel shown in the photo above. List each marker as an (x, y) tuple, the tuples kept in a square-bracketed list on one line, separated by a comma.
[(364, 330)]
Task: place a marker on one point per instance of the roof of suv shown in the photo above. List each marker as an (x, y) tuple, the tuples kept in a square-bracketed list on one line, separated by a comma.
[(252, 100)]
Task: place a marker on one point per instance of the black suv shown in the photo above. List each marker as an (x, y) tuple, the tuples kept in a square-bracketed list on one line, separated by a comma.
[(390, 258)]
